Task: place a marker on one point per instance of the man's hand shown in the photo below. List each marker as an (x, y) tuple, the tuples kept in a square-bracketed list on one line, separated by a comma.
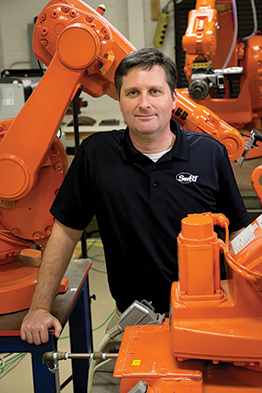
[(56, 258), (36, 325)]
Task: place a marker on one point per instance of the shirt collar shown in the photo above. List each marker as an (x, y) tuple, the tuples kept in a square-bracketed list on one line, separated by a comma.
[(180, 150)]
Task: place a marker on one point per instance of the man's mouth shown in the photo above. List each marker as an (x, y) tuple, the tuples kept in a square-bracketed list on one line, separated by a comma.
[(145, 117)]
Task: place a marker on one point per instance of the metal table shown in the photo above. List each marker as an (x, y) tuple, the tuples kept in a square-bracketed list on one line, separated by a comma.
[(73, 306)]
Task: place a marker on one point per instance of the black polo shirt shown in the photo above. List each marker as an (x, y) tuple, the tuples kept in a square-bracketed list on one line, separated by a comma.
[(139, 205)]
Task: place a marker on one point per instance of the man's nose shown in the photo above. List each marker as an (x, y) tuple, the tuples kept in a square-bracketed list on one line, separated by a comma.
[(144, 101)]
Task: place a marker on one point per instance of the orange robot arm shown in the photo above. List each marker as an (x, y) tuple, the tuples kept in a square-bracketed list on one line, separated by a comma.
[(223, 72), (200, 37), (80, 48), (194, 117)]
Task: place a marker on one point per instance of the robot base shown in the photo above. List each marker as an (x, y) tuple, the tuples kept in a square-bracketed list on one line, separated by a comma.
[(145, 355)]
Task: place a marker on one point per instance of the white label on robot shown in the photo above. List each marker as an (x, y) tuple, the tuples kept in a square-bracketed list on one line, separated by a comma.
[(8, 96), (255, 226), (259, 220), (243, 239)]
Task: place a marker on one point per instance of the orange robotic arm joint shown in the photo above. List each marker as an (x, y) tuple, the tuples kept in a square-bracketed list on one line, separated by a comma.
[(200, 37), (218, 219), (198, 118)]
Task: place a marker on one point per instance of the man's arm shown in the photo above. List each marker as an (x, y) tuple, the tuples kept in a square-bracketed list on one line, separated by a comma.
[(234, 234), (56, 258)]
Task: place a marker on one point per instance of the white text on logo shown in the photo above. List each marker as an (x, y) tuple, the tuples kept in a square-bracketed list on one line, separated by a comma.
[(186, 178)]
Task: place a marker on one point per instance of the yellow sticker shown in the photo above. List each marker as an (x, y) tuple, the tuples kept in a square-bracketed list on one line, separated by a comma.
[(136, 363)]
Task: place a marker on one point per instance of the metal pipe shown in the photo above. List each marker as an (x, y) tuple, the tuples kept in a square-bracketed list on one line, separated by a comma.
[(50, 357)]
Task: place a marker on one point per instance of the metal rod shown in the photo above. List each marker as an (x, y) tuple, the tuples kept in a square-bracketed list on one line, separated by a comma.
[(89, 355), (50, 357)]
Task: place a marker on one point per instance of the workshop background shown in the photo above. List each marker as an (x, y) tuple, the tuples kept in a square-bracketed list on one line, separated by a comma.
[(134, 19)]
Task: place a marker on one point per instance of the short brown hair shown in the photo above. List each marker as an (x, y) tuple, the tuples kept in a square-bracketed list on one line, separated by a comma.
[(146, 58)]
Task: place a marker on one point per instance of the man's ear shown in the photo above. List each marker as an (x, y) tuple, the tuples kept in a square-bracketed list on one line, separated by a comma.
[(119, 103), (174, 99)]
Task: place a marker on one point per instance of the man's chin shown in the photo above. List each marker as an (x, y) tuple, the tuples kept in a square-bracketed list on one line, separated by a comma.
[(147, 126), (146, 131)]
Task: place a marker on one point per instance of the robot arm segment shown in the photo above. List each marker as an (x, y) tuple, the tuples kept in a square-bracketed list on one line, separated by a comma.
[(200, 37), (22, 153), (80, 48), (194, 117)]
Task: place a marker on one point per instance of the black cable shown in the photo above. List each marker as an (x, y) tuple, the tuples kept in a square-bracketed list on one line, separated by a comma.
[(66, 382), (75, 118), (40, 68)]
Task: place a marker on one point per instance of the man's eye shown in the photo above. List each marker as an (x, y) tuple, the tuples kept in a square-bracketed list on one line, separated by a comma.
[(132, 93), (155, 91)]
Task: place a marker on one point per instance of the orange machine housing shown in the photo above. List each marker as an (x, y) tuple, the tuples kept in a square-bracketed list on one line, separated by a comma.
[(209, 320), (212, 341)]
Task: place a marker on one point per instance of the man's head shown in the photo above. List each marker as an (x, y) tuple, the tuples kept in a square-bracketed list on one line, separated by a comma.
[(145, 59), (145, 82)]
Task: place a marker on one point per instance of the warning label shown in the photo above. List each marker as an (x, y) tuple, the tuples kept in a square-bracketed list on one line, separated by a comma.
[(243, 239)]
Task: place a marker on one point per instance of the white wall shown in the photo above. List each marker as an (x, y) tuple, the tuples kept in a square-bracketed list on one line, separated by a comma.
[(15, 15)]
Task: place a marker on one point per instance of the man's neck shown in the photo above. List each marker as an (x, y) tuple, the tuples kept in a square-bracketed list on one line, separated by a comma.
[(147, 144)]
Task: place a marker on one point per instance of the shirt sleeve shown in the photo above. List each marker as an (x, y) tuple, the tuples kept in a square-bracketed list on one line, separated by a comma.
[(73, 205), (230, 200)]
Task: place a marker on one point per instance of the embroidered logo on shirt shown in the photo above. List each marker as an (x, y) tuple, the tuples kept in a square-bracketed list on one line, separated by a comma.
[(186, 178)]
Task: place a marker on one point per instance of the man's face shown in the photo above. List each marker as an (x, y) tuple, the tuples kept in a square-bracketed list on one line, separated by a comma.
[(146, 101)]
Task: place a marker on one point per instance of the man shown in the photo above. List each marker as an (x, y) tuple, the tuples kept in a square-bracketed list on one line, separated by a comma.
[(139, 182)]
